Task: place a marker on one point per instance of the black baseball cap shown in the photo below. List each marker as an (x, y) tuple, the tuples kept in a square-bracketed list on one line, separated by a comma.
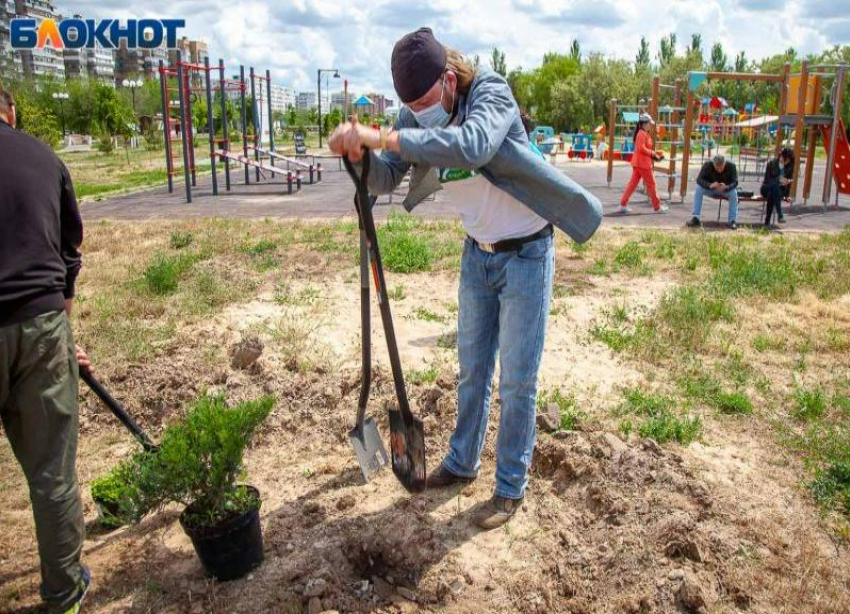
[(418, 61)]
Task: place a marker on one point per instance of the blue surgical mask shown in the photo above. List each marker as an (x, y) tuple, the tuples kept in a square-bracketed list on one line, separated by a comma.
[(435, 116)]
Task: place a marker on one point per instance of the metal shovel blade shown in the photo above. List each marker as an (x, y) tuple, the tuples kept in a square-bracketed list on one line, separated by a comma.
[(407, 445), (370, 451)]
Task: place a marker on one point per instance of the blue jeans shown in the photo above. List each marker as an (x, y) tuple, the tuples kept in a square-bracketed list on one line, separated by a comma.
[(732, 195), (503, 303)]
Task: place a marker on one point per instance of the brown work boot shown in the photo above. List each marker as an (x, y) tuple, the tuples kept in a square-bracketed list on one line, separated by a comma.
[(497, 512), (442, 477)]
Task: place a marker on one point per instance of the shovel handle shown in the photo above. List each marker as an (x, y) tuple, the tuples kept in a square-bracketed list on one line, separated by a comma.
[(365, 330), (116, 408), (368, 223)]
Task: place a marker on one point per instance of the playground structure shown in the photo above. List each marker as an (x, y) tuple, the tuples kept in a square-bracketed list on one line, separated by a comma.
[(668, 130), (800, 113), (182, 78), (809, 110)]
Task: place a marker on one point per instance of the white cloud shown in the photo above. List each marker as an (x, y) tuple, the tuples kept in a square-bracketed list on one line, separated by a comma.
[(296, 37)]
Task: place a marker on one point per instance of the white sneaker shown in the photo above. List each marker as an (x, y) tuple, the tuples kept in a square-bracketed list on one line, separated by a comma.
[(623, 211), (662, 209)]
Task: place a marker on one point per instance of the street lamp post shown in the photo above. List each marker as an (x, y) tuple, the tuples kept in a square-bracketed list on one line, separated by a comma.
[(61, 97), (133, 85), (319, 84)]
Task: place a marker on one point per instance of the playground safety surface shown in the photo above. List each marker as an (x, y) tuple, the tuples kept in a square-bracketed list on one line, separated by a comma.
[(333, 199)]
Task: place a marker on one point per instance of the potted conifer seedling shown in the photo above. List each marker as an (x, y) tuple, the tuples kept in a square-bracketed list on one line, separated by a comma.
[(199, 461)]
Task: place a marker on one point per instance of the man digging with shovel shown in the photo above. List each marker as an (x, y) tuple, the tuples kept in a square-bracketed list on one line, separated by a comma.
[(40, 236), (465, 122)]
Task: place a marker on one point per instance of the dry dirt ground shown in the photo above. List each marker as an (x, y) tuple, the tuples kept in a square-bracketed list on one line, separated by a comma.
[(610, 523)]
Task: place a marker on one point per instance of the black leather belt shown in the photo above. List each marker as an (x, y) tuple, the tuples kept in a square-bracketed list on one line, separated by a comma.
[(509, 245)]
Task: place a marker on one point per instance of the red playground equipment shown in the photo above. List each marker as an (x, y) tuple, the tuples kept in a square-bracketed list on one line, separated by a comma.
[(183, 79)]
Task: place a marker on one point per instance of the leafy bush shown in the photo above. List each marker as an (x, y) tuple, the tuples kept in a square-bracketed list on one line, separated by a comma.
[(115, 496), (198, 462), (104, 143)]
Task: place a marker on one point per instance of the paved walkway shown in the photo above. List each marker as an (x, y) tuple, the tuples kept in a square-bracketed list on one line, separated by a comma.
[(333, 199)]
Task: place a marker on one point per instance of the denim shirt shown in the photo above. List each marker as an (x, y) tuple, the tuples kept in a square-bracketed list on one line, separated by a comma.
[(488, 137)]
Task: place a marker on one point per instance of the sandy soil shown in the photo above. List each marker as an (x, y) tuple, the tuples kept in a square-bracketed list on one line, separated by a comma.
[(608, 525)]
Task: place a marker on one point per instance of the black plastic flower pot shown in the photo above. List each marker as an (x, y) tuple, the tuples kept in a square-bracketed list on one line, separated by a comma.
[(231, 548), (108, 514)]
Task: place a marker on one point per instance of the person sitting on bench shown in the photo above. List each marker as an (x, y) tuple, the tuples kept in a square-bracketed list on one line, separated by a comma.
[(718, 178), (778, 175)]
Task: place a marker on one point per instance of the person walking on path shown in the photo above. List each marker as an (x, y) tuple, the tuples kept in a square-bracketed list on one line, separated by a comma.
[(465, 121), (40, 236), (642, 160)]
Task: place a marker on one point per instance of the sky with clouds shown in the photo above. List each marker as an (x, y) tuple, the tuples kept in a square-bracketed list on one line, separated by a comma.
[(295, 37)]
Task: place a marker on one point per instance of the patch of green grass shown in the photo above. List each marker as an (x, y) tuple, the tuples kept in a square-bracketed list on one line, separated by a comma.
[(733, 403), (397, 293), (421, 313), (666, 427), (831, 485), (614, 337), (424, 376), (632, 257), (180, 240), (406, 253), (567, 406), (809, 404), (261, 247), (162, 275), (598, 268), (765, 342), (841, 402), (657, 417), (285, 295)]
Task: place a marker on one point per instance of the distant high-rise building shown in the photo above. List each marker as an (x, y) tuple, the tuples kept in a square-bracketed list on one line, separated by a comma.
[(337, 100), (283, 98), (136, 63), (7, 56), (97, 63), (38, 62), (305, 101)]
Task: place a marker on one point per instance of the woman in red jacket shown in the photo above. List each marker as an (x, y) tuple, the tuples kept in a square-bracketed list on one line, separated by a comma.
[(642, 160)]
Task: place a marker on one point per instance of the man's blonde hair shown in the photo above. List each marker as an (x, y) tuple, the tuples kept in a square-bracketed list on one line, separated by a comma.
[(462, 67)]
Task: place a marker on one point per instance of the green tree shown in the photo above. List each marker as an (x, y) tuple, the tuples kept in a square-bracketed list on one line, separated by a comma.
[(719, 61), (696, 45), (642, 58), (575, 51), (497, 62), (741, 63), (199, 116), (667, 49), (36, 118), (570, 107), (602, 79), (555, 68), (110, 112)]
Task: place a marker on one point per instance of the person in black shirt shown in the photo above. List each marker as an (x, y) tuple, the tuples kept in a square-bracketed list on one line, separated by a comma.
[(40, 236), (778, 176), (717, 178)]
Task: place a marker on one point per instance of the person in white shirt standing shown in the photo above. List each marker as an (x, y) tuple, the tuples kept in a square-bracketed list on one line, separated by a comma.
[(465, 121)]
